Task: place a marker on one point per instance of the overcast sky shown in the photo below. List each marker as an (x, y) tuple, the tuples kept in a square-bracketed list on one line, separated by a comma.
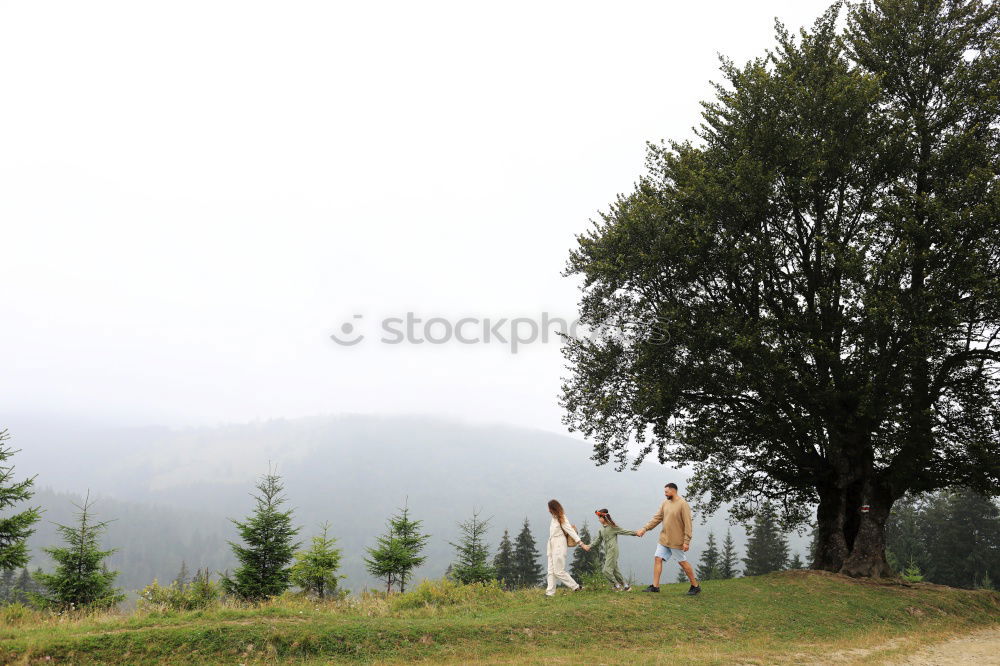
[(195, 195)]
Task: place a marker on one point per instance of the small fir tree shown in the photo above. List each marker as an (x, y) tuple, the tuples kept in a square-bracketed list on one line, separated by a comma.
[(526, 565), (397, 552), (183, 576), (267, 550), (315, 569), (25, 587), (412, 543), (472, 553), (912, 573), (585, 563), (80, 579), (767, 547), (729, 559), (708, 567), (384, 559), (6, 584), (503, 562)]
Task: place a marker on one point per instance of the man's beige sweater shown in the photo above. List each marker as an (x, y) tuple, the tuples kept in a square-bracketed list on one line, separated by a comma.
[(675, 515)]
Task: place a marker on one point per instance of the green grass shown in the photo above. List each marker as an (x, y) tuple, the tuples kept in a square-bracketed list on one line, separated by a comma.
[(790, 617)]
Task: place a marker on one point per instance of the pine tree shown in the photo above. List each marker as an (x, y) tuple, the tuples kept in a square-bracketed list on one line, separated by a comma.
[(267, 548), (796, 562), (708, 567), (912, 573), (411, 542), (183, 576), (472, 563), (729, 558), (315, 569), (814, 546), (503, 563), (585, 563), (385, 558), (397, 552), (528, 570), (904, 541), (767, 547), (15, 528), (24, 587), (80, 579), (6, 585), (961, 537)]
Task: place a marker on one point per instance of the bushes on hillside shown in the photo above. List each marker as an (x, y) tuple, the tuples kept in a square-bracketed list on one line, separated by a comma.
[(199, 592), (444, 592)]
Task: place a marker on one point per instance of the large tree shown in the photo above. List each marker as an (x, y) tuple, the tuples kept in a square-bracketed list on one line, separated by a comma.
[(804, 305)]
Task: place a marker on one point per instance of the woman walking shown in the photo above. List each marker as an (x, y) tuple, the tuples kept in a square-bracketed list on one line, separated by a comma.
[(560, 532)]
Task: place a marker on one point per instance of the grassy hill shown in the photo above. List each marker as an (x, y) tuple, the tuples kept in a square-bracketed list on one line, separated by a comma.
[(792, 617)]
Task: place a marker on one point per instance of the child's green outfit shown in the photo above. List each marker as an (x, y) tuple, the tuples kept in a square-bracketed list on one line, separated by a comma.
[(609, 537)]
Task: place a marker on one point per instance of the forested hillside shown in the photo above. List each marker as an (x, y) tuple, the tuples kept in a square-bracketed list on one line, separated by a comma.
[(170, 492)]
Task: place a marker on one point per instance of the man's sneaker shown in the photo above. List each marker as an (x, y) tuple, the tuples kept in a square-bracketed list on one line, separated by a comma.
[(627, 588), (616, 588), (652, 589), (695, 589), (579, 589)]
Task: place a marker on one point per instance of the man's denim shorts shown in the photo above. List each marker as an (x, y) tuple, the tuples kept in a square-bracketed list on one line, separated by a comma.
[(670, 553)]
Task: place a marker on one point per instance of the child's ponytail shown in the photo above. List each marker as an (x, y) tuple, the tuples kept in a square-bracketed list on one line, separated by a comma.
[(603, 513)]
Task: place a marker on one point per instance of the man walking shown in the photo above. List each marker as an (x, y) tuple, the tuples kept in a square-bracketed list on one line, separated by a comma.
[(674, 516)]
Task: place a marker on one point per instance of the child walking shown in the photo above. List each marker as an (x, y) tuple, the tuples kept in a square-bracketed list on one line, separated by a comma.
[(608, 535)]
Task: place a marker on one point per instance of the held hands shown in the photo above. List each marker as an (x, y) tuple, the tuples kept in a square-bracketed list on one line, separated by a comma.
[(686, 546), (585, 547), (639, 533)]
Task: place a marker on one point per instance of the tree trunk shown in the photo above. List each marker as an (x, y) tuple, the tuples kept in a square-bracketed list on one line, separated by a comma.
[(831, 546), (849, 540), (867, 557)]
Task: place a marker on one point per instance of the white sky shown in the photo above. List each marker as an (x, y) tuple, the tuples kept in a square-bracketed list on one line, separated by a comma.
[(195, 195)]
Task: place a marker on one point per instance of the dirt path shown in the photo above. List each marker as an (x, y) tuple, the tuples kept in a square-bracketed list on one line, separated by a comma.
[(980, 647)]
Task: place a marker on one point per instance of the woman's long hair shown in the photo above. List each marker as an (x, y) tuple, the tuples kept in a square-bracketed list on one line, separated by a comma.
[(555, 508), (603, 513)]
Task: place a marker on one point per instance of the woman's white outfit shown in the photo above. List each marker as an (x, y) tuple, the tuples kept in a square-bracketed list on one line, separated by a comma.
[(556, 553)]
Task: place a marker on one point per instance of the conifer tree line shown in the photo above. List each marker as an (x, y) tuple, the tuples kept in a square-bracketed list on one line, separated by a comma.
[(950, 537)]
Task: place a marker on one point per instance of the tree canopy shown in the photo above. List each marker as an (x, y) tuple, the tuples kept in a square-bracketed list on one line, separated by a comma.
[(804, 304)]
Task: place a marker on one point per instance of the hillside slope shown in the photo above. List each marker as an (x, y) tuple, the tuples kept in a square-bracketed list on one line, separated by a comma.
[(792, 617)]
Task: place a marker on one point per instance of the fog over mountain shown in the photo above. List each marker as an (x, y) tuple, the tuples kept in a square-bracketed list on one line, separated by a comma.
[(170, 492)]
